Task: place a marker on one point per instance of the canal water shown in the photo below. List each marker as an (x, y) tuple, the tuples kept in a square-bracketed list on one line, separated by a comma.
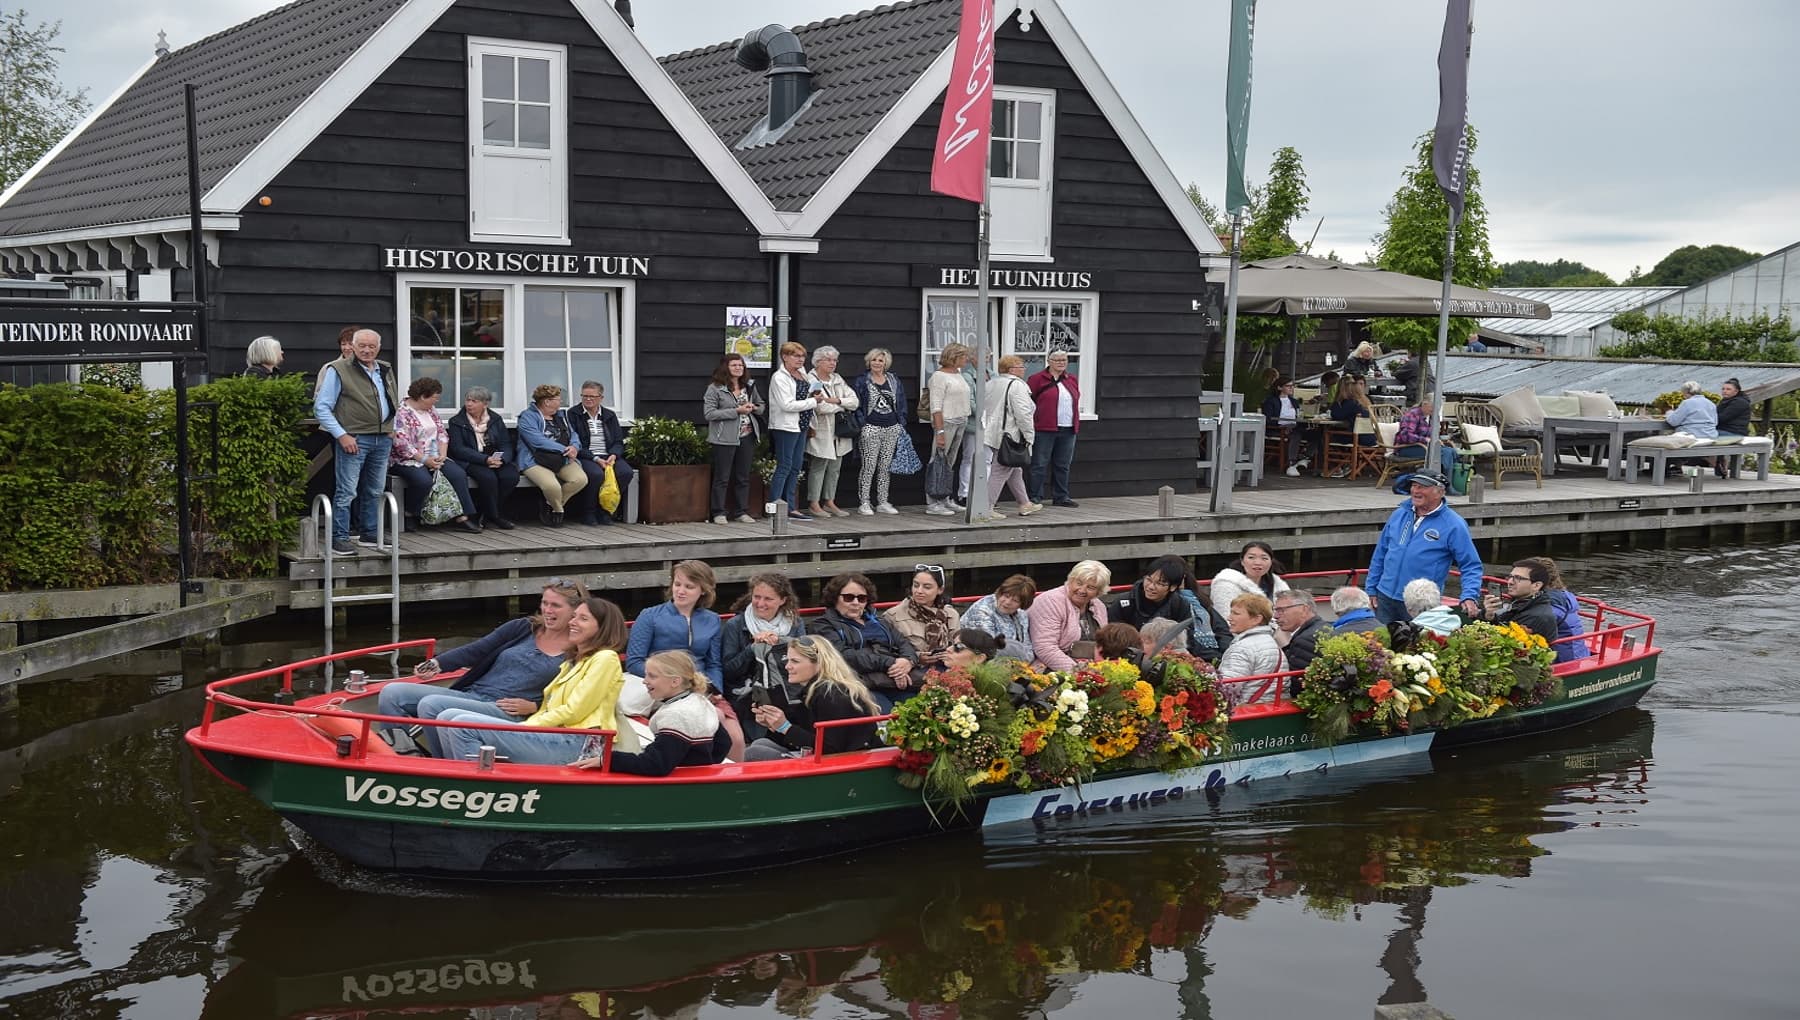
[(1640, 867)]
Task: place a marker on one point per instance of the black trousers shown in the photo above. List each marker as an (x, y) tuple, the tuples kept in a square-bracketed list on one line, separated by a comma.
[(731, 468)]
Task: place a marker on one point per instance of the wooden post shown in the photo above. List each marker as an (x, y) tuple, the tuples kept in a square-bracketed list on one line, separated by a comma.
[(1165, 502)]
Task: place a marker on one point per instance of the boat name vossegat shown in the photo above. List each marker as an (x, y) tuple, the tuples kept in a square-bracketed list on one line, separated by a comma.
[(430, 980), (472, 803), (1606, 685)]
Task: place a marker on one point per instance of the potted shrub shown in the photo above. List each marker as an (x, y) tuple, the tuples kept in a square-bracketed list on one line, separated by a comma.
[(674, 470)]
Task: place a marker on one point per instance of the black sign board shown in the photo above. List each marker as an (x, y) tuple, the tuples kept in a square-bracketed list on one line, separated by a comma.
[(514, 263), (1629, 504), (836, 542), (73, 331), (1009, 278)]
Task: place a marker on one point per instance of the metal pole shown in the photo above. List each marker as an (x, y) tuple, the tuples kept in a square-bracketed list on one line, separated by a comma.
[(977, 505), (1443, 344), (197, 274), (1224, 456)]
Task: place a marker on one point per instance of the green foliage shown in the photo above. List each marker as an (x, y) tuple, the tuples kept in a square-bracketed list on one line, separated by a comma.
[(35, 110), (1271, 214), (1417, 220), (1719, 338), (1561, 273), (258, 492), (1691, 264), (665, 441)]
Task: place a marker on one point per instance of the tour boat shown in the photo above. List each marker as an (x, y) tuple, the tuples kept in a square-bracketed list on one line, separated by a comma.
[(318, 762)]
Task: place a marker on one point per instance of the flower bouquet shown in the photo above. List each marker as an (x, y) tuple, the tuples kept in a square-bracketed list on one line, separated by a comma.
[(1118, 706), (1505, 665), (1348, 684), (954, 735), (1191, 715)]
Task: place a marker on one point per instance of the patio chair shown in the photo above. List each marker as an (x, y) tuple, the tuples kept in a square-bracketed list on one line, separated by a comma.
[(1517, 454), (1392, 465)]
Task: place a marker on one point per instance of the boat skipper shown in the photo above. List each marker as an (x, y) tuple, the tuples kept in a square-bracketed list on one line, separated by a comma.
[(1422, 538)]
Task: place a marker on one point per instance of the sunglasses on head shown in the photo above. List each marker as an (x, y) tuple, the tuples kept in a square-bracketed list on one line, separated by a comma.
[(930, 568), (853, 596)]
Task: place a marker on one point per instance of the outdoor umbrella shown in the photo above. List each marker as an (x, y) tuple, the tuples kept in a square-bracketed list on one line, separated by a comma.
[(1301, 285)]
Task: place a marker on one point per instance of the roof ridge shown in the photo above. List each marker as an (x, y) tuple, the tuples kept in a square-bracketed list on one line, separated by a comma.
[(240, 26), (831, 22)]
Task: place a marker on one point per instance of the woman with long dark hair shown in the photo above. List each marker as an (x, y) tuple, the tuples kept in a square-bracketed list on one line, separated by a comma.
[(733, 412)]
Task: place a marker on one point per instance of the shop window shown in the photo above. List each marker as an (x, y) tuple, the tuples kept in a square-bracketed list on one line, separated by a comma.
[(570, 338), (1029, 325), (518, 143), (1020, 172), (458, 337)]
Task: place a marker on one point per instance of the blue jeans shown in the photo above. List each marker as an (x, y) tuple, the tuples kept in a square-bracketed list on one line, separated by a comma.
[(418, 486), (523, 746), (790, 447), (361, 476), (1051, 455), (1389, 611)]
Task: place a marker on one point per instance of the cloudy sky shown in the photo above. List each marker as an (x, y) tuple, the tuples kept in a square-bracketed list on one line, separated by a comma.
[(1612, 131)]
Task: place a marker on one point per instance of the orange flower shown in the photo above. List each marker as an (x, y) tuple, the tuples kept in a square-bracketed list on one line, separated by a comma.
[(1381, 691)]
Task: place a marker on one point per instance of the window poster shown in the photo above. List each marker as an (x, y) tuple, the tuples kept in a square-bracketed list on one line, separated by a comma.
[(747, 332)]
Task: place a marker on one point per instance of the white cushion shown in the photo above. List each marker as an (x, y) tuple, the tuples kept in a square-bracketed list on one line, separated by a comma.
[(1482, 438), (1520, 407), (1566, 406), (1670, 441), (1387, 430), (1595, 404)]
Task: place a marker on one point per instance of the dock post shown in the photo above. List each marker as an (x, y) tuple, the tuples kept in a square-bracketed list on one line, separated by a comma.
[(1165, 502), (9, 636), (9, 698), (778, 521)]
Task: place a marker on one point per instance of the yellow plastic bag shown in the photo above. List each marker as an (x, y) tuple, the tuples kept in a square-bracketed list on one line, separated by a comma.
[(609, 492)]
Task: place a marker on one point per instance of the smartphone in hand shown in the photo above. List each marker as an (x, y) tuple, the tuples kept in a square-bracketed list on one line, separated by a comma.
[(760, 696)]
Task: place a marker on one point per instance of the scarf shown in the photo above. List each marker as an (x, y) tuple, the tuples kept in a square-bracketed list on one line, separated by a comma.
[(779, 626), (937, 626)]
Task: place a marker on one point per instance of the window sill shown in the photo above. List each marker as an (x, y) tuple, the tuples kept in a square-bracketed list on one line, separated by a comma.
[(518, 239), (1046, 260)]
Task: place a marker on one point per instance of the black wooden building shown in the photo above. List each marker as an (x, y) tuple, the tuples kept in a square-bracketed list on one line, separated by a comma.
[(516, 191)]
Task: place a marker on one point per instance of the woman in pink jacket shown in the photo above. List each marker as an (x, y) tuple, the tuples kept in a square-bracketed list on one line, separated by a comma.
[(1063, 616)]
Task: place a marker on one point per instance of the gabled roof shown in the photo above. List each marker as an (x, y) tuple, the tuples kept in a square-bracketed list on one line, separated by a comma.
[(1576, 310), (862, 65), (129, 163)]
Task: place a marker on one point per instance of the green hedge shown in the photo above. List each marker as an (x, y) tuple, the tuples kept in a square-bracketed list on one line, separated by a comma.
[(87, 479)]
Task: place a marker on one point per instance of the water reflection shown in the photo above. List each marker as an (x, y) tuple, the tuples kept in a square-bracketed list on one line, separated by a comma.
[(1004, 927)]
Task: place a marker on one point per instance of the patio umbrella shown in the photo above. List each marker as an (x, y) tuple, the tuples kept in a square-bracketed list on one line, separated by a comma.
[(1301, 285)]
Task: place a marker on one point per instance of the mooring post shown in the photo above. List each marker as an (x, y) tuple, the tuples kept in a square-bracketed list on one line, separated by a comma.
[(778, 521), (1165, 502)]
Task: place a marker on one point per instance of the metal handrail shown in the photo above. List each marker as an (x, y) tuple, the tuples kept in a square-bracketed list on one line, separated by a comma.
[(321, 530)]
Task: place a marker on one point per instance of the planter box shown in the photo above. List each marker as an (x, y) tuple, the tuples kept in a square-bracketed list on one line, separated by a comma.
[(673, 494)]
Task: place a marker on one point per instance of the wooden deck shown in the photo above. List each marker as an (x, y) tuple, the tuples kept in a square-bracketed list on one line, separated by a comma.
[(1292, 514)]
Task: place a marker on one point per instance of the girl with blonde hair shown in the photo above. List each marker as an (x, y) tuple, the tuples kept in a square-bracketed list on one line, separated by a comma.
[(830, 690)]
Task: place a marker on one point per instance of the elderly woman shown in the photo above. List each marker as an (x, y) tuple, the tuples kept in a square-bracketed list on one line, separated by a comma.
[(1072, 614), (1056, 397), (1361, 362), (1695, 415), (825, 448), (952, 402), (1254, 650), (1425, 604), (790, 398), (733, 412), (1004, 615), (926, 618), (1006, 413), (886, 661), (882, 409), (263, 358), (548, 451), (1354, 614), (480, 442), (1734, 417), (422, 446)]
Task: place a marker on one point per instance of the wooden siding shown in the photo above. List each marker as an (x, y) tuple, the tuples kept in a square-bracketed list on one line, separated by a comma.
[(857, 292), (393, 170)]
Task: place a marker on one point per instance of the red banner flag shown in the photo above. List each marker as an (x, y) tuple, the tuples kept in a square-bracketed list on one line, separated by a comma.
[(959, 163)]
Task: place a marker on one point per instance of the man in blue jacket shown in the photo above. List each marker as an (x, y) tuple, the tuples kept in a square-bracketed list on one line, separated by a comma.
[(1422, 538)]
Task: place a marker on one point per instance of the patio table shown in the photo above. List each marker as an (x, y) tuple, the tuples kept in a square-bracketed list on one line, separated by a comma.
[(1618, 432)]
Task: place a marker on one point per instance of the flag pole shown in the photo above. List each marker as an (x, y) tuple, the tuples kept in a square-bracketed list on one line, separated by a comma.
[(977, 505), (1237, 198), (1449, 164), (1443, 348), (1224, 456)]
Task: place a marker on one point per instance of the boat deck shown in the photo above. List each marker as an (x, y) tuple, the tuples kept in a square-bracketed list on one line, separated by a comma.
[(1296, 515)]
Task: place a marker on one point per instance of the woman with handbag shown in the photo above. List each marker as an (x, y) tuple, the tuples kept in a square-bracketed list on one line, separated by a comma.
[(1007, 432), (833, 431), (882, 412), (548, 452), (733, 424), (422, 460)]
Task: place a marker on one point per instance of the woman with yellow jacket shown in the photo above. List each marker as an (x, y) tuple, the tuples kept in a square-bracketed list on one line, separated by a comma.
[(583, 695)]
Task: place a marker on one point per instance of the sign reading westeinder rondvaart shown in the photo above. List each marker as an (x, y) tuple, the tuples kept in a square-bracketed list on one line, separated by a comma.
[(75, 331)]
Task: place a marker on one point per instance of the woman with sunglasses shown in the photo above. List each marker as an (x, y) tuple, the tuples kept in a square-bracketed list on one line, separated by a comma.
[(506, 669), (830, 690), (926, 618), (973, 648), (886, 661), (685, 729)]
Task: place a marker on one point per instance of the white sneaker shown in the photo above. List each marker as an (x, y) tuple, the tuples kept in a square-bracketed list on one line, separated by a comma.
[(954, 506), (995, 514), (719, 519), (885, 508), (866, 510), (1303, 463), (1027, 509), (940, 510), (1293, 471)]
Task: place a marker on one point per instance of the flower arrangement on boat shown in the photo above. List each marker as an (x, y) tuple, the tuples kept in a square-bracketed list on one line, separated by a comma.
[(1358, 682), (1003, 722)]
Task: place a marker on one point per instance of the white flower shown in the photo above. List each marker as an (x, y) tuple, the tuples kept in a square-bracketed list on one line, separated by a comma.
[(1072, 703), (1075, 729)]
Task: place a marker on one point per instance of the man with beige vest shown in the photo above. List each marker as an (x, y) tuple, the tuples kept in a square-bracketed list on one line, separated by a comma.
[(355, 402)]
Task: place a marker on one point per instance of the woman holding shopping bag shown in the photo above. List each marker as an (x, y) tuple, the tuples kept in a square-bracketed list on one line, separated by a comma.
[(1007, 434)]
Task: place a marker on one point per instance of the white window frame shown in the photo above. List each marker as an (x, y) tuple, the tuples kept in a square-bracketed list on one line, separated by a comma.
[(1002, 327), (1046, 181), (558, 153), (621, 390)]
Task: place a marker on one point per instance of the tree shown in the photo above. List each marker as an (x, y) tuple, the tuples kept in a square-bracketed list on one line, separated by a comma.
[(35, 110), (1691, 264), (1561, 273), (1720, 338), (1413, 243)]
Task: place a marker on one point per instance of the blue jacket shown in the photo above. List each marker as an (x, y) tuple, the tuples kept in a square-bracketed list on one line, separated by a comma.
[(533, 435), (1568, 624), (478, 657), (1406, 553), (662, 628), (860, 386)]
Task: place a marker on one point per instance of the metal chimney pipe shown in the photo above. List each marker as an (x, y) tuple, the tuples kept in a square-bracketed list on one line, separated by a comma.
[(777, 50)]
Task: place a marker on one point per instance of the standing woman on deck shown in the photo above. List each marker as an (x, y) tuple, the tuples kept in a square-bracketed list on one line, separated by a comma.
[(685, 623), (952, 402), (926, 618), (825, 447), (790, 397), (733, 425), (882, 398)]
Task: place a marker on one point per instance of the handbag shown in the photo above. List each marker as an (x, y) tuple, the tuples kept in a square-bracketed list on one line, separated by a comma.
[(846, 427), (1013, 453), (940, 477), (906, 457), (441, 503), (609, 491)]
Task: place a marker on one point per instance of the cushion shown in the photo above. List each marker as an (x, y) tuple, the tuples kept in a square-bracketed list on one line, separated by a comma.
[(1566, 406), (1482, 438), (1595, 404), (1672, 441), (1520, 407), (1387, 430)]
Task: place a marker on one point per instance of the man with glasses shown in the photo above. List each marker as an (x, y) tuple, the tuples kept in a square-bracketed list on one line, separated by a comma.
[(1527, 601), (1156, 596), (602, 443), (1299, 628), (1422, 538)]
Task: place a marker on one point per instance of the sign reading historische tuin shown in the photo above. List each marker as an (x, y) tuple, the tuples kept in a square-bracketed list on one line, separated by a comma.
[(527, 263)]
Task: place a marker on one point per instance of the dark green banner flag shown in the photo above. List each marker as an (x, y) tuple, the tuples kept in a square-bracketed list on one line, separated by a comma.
[(1450, 144), (1237, 103)]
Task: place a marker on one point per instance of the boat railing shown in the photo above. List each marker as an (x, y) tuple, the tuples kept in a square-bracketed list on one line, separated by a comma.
[(215, 690)]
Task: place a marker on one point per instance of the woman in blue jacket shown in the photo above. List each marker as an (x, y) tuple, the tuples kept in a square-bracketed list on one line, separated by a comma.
[(685, 623)]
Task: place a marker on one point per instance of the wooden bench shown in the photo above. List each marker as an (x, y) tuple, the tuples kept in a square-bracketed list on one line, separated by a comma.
[(627, 514), (1759, 447)]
